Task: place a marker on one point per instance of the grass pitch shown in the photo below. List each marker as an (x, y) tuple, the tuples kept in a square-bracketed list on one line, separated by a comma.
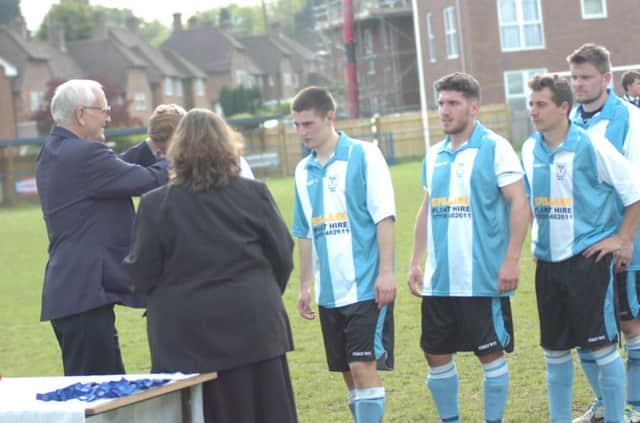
[(28, 347)]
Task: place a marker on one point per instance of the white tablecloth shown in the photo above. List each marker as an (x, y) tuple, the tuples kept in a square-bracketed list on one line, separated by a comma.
[(18, 397)]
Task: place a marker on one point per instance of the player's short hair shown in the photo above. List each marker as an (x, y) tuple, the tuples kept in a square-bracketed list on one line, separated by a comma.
[(461, 82), (163, 122), (317, 99), (628, 78), (559, 87), (591, 53)]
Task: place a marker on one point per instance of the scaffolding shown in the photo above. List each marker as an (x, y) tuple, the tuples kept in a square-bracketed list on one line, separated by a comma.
[(385, 21)]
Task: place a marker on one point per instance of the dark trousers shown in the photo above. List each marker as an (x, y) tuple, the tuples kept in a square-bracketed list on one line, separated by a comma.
[(89, 343)]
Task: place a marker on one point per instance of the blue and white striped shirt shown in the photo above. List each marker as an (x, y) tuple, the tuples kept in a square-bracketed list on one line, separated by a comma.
[(338, 206), (573, 192), (468, 218), (618, 122)]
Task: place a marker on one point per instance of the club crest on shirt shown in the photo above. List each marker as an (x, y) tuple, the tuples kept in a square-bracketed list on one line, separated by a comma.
[(332, 182), (561, 171)]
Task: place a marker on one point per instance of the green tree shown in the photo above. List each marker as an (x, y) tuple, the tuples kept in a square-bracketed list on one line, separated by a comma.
[(154, 32), (74, 15), (245, 20), (9, 9), (239, 100), (114, 17)]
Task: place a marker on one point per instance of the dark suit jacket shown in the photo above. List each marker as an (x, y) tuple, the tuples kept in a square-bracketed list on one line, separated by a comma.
[(215, 264), (139, 154), (85, 192)]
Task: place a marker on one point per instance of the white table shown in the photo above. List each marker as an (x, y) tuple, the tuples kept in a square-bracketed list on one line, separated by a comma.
[(179, 401)]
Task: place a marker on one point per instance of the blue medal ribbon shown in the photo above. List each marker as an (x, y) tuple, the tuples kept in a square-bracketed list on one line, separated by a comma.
[(93, 391)]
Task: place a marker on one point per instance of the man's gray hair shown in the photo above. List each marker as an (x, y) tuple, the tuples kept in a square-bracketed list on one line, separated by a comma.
[(69, 95)]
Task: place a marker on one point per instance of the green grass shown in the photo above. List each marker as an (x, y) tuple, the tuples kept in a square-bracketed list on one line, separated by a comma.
[(28, 347)]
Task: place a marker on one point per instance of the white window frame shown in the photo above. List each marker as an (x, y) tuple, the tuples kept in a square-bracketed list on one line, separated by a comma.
[(36, 100), (200, 87), (525, 75), (140, 101), (450, 32), (286, 79), (431, 39), (368, 50), (603, 15), (520, 24), (168, 86), (178, 83), (435, 92)]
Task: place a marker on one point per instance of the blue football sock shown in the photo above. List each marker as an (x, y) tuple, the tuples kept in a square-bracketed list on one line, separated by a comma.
[(611, 382), (369, 405), (496, 388), (632, 345), (559, 385), (351, 400), (591, 371), (443, 384)]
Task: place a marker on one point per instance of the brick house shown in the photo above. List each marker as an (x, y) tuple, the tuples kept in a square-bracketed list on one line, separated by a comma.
[(279, 81), (217, 53), (8, 72), (173, 79), (37, 63), (385, 52), (503, 42)]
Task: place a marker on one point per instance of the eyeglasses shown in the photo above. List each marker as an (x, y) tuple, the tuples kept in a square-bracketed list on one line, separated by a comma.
[(106, 110)]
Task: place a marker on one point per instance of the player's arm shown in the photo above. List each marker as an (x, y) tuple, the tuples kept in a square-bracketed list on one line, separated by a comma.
[(620, 244), (622, 174), (305, 250), (519, 219), (419, 248), (385, 290)]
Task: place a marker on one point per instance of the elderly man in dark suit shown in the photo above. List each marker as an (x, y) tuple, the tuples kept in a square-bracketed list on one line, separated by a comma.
[(85, 193)]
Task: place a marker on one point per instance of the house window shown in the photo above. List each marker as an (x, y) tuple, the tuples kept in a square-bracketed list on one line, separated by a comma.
[(450, 32), (374, 106), (294, 80), (520, 25), (270, 81), (516, 87), (36, 100), (368, 51), (168, 86), (178, 84), (241, 77), (432, 39), (199, 87), (594, 9), (140, 101), (286, 79)]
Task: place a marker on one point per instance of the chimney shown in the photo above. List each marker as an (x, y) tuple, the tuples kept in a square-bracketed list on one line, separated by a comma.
[(224, 19), (192, 22), (177, 22), (56, 37), (132, 24), (19, 26), (100, 29)]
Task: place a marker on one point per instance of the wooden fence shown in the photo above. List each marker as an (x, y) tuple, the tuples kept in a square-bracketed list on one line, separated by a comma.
[(399, 136), (274, 150)]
